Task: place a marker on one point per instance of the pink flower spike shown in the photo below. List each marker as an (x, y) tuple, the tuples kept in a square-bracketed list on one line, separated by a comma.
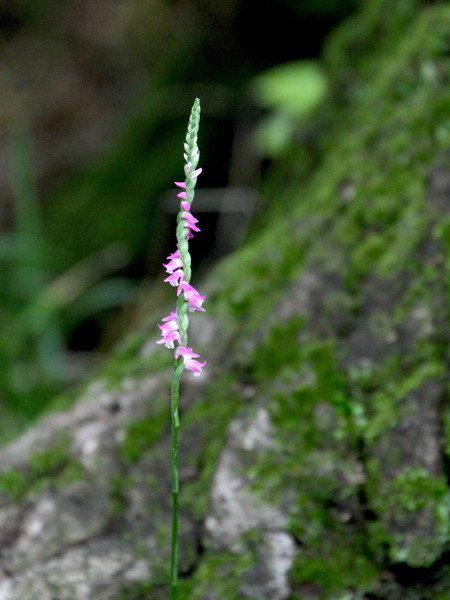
[(182, 195), (189, 359), (175, 278), (180, 184)]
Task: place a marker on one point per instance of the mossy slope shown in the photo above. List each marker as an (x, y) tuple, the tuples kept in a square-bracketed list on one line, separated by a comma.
[(341, 309), (325, 395)]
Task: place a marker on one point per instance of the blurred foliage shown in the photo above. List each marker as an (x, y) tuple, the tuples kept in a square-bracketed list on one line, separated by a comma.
[(118, 198), (37, 309), (190, 49), (291, 92), (296, 87), (72, 257)]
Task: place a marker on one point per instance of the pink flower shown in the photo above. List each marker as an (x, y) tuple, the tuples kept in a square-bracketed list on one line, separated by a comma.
[(192, 296), (189, 359), (175, 278), (194, 174), (172, 317), (180, 184), (190, 221), (175, 262), (182, 195), (170, 331), (185, 205)]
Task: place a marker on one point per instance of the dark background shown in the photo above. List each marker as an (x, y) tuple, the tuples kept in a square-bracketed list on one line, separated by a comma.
[(96, 95)]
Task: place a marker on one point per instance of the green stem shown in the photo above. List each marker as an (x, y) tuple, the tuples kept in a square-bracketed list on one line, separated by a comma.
[(175, 425), (192, 156)]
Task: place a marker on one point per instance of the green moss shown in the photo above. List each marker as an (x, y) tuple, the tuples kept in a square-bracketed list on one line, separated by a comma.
[(142, 435), (401, 494), (337, 564), (363, 214), (218, 577), (314, 453), (206, 426), (314, 459), (382, 412), (446, 430), (53, 466), (279, 351), (317, 379), (415, 488), (247, 286), (442, 231), (50, 460), (143, 590), (408, 497), (129, 360), (14, 484), (117, 500)]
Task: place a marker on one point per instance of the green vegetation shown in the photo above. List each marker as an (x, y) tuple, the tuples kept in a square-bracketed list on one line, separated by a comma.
[(37, 308), (52, 467), (361, 225), (219, 577), (369, 248), (334, 320), (142, 435)]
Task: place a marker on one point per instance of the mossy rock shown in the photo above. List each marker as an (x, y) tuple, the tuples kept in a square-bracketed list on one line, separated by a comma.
[(314, 449)]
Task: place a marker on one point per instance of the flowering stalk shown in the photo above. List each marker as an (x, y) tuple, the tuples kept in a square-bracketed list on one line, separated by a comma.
[(174, 330)]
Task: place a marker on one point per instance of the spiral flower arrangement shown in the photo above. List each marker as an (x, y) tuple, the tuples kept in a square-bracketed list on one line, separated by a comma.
[(174, 327)]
